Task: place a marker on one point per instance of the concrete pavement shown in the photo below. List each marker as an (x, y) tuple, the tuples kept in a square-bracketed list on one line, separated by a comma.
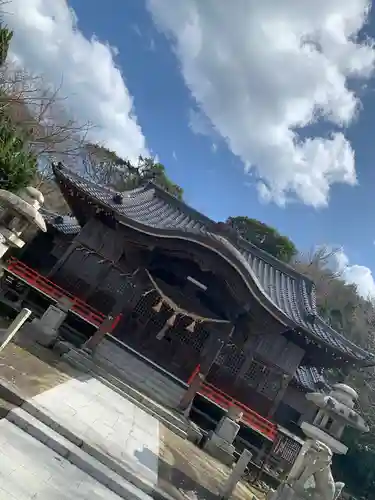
[(29, 470), (107, 421), (97, 431)]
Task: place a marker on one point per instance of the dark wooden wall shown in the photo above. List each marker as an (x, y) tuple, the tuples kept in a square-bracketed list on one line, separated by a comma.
[(258, 372)]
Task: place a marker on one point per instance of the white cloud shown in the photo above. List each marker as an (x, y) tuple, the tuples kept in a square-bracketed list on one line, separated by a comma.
[(137, 30), (361, 276), (199, 123), (47, 42), (262, 71), (152, 46)]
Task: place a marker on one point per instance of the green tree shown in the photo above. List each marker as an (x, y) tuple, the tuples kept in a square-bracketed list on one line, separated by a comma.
[(265, 237), (5, 39), (107, 168), (156, 172), (17, 165)]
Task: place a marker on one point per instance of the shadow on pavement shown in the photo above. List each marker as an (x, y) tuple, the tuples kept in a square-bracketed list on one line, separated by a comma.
[(174, 479)]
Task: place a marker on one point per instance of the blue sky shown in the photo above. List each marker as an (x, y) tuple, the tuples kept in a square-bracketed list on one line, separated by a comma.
[(183, 67)]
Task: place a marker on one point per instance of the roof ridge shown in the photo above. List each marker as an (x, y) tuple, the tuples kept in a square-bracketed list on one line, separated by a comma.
[(271, 259), (59, 166), (244, 244), (182, 204)]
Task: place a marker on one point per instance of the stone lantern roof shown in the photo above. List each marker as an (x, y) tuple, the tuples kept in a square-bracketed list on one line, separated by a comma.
[(26, 205)]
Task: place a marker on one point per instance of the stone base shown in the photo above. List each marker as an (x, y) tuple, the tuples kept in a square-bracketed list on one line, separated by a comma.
[(219, 449), (284, 492), (36, 331), (62, 347), (194, 434)]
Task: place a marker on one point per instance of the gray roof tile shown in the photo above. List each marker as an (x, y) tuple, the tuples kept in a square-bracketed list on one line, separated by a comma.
[(63, 223), (310, 378)]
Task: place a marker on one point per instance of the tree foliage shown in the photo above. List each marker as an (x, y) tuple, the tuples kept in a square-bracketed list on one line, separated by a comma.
[(18, 165), (353, 316), (108, 169), (39, 112), (338, 302), (265, 237), (5, 38)]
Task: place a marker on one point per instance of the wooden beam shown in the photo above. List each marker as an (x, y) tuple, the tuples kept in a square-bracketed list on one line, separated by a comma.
[(69, 251)]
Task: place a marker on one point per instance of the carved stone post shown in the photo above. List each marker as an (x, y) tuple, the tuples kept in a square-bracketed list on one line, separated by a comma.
[(236, 475), (13, 328)]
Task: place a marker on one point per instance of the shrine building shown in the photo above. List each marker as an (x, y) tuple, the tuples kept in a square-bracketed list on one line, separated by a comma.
[(185, 292)]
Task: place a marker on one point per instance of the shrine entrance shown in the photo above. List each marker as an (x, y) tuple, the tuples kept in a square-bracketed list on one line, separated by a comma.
[(167, 335), (174, 319)]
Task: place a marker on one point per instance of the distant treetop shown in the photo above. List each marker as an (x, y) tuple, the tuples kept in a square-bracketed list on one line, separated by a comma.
[(265, 237)]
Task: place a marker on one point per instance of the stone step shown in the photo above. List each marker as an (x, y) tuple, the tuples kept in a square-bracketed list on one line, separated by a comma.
[(143, 377), (136, 370), (88, 459), (119, 355), (170, 419), (147, 382)]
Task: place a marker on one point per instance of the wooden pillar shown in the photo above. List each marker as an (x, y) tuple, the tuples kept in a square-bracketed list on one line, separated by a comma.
[(212, 350), (108, 324), (72, 247), (102, 274), (284, 385), (249, 349), (101, 332)]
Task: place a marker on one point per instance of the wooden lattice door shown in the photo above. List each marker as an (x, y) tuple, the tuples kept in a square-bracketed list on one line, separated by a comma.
[(178, 351)]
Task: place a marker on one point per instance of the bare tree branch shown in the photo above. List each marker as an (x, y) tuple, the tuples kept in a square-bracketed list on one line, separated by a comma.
[(40, 112)]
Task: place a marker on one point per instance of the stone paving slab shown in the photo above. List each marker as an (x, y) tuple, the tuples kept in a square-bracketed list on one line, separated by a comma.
[(168, 417), (29, 470), (107, 421), (31, 418), (76, 456)]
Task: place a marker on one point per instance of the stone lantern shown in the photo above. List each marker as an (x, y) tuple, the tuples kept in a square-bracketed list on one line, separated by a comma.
[(19, 212), (335, 413), (311, 476)]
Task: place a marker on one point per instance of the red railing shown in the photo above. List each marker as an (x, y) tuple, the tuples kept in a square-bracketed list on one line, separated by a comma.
[(47, 287), (250, 417)]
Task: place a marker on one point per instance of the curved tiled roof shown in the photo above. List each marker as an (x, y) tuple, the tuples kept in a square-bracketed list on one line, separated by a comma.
[(290, 295), (65, 224), (309, 378)]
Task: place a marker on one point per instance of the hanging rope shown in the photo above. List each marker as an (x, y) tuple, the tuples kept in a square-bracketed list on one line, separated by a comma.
[(177, 310)]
